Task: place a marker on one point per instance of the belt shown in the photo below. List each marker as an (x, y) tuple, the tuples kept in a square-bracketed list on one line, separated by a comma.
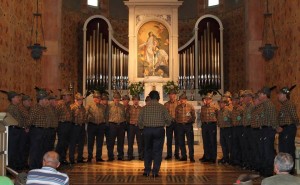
[(96, 123), (64, 121), (265, 126), (185, 123), (16, 127), (256, 128), (33, 126), (211, 122), (236, 126), (283, 126), (225, 127), (117, 123), (247, 126), (154, 127), (75, 124)]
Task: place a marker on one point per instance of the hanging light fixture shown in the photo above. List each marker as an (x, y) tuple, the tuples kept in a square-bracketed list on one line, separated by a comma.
[(36, 48), (267, 48)]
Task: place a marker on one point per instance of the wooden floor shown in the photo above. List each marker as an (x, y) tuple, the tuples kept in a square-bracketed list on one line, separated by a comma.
[(171, 172)]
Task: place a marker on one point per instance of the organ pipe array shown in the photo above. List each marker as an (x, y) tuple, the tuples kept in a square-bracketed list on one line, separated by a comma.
[(200, 60), (106, 64), (209, 60)]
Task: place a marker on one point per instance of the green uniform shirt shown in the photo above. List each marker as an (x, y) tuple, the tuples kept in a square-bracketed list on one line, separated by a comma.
[(288, 114), (257, 116), (16, 113), (269, 114), (223, 118)]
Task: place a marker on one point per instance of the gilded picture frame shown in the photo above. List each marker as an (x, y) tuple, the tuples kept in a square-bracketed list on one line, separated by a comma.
[(153, 50)]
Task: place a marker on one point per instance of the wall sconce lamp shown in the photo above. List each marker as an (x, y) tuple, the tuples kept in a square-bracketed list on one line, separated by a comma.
[(267, 48), (36, 48)]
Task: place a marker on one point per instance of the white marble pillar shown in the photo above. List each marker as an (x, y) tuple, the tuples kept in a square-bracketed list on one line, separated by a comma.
[(162, 11)]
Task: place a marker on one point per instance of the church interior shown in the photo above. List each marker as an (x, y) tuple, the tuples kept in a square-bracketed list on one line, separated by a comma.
[(65, 63)]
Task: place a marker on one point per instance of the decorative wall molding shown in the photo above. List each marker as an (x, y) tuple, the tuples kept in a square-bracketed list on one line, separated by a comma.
[(166, 18)]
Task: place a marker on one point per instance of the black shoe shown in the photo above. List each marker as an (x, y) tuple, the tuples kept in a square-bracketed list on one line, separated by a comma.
[(177, 157), (183, 159), (168, 158), (293, 172), (72, 162), (155, 175), (141, 158), (99, 160), (130, 158), (204, 160), (110, 159), (89, 161), (146, 174), (212, 160), (222, 161), (81, 161), (120, 159), (192, 160), (234, 163)]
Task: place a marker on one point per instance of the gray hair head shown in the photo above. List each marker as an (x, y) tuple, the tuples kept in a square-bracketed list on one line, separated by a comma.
[(284, 162), (51, 157)]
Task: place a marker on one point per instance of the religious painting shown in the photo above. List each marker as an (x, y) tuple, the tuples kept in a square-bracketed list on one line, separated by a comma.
[(153, 50)]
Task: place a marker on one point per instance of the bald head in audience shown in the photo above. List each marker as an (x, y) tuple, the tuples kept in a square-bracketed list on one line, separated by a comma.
[(51, 159)]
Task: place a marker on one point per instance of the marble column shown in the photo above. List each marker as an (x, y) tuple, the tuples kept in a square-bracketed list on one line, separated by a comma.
[(255, 64), (52, 19)]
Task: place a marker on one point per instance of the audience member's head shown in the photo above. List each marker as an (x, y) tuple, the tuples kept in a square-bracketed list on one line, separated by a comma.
[(51, 159), (283, 163)]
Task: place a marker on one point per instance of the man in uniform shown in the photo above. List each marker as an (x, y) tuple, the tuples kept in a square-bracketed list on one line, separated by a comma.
[(104, 101), (152, 119), (256, 133), (171, 106), (134, 131), (125, 101), (24, 141), (288, 122), (247, 98), (64, 125), (224, 122), (269, 125), (54, 122), (185, 117), (236, 119), (39, 121), (209, 129), (117, 122), (96, 113), (78, 129), (15, 131), (147, 101)]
